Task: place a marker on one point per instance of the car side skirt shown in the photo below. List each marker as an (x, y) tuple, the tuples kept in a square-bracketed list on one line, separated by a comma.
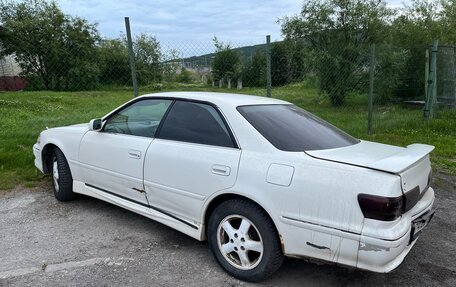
[(192, 230)]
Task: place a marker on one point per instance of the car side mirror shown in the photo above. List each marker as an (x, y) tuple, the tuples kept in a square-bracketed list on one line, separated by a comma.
[(95, 125)]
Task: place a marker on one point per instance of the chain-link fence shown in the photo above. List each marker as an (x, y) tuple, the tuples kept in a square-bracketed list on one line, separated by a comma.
[(400, 86), (416, 83), (354, 86), (446, 76)]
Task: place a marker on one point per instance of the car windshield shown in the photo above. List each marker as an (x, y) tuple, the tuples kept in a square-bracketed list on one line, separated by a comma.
[(290, 128)]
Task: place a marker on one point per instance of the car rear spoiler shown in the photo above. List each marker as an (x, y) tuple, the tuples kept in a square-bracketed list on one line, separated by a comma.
[(402, 160)]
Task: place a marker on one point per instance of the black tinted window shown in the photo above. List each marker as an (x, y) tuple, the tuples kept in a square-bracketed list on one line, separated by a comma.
[(195, 123), (290, 128)]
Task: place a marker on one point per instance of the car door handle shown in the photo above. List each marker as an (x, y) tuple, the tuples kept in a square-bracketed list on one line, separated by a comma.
[(136, 154), (221, 169)]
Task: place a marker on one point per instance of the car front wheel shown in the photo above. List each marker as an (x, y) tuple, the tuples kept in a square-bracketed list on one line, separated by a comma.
[(244, 240), (62, 181)]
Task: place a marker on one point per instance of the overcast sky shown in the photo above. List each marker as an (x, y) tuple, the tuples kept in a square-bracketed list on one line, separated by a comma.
[(245, 21)]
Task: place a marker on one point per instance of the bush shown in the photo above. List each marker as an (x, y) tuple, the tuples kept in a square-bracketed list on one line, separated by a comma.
[(254, 74), (185, 76)]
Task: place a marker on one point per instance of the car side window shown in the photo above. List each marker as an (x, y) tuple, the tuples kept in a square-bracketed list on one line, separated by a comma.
[(195, 123), (139, 119)]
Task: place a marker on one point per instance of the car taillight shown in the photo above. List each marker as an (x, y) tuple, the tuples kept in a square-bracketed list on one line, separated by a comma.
[(411, 198), (380, 207)]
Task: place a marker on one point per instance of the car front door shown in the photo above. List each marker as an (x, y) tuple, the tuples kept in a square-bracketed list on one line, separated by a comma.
[(193, 156), (112, 159)]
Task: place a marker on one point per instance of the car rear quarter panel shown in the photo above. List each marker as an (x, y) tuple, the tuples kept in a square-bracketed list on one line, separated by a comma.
[(330, 192), (317, 215)]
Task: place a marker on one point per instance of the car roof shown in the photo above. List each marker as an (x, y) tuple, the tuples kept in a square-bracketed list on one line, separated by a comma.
[(220, 99)]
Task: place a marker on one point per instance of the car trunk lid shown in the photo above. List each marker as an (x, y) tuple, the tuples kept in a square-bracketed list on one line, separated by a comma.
[(376, 156), (412, 163)]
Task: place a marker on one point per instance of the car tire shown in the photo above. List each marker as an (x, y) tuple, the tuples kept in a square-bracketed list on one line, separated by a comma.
[(62, 181), (244, 240)]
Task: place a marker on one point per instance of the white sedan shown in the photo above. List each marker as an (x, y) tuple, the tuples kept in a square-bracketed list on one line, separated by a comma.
[(259, 178)]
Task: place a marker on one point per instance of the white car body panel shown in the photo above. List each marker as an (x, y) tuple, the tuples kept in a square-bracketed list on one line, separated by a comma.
[(114, 162), (203, 170), (310, 196)]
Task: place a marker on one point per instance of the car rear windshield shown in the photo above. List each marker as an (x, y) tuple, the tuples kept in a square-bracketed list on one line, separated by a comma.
[(290, 128)]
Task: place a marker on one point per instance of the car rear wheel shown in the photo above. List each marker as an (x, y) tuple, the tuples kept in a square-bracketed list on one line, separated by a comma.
[(62, 181), (244, 240)]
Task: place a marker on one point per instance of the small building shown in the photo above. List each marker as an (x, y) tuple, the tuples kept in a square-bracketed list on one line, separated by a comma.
[(10, 79)]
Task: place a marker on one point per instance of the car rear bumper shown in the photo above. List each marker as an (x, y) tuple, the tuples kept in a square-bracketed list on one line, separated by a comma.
[(382, 256), (381, 253), (38, 159)]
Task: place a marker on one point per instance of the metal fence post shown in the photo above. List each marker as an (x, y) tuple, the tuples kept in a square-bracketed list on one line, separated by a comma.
[(371, 89), (132, 57), (428, 112), (268, 66), (434, 90), (426, 73)]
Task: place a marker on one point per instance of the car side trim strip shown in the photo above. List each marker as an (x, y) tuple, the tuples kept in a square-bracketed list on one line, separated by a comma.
[(143, 204)]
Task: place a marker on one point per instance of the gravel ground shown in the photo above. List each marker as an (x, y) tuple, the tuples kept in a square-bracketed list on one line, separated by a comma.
[(91, 243)]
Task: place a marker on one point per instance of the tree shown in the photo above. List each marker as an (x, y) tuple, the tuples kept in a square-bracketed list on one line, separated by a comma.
[(148, 57), (298, 57), (338, 31), (280, 62), (420, 23), (171, 65), (114, 62), (226, 62), (254, 74), (54, 50), (448, 18), (423, 21), (238, 72)]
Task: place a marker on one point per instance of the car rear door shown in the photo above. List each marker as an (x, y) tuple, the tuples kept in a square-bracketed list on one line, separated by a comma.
[(112, 160), (193, 156)]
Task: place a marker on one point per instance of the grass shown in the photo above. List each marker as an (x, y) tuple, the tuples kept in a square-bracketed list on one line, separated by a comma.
[(25, 114)]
